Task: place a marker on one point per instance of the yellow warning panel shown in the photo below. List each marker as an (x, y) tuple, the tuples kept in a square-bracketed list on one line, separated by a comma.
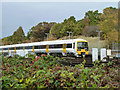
[(23, 48), (64, 48), (15, 49), (2, 50), (8, 49), (33, 49), (47, 48)]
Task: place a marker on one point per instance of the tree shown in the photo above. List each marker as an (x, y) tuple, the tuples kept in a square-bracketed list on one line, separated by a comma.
[(29, 33), (93, 17), (56, 30), (61, 29), (7, 40), (109, 24), (90, 31), (38, 32), (18, 36)]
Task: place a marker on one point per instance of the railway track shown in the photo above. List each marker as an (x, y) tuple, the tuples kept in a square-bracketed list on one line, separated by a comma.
[(74, 61)]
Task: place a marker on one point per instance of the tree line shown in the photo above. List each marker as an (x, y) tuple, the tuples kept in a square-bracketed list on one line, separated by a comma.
[(107, 22)]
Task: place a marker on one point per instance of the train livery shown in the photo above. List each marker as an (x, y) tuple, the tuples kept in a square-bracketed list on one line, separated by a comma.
[(70, 47)]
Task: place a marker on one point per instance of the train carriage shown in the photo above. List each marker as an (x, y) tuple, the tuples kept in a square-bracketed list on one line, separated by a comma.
[(71, 47)]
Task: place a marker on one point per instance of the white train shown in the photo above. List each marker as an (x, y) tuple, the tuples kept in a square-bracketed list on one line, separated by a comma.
[(71, 47)]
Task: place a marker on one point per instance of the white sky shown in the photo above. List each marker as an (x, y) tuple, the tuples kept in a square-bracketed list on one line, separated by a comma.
[(60, 0), (17, 13)]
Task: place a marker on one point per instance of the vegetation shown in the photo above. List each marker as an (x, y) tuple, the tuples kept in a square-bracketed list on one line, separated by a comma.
[(107, 22), (38, 32), (47, 72), (17, 37)]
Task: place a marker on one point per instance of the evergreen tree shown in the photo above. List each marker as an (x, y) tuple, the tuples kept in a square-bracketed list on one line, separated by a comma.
[(18, 36)]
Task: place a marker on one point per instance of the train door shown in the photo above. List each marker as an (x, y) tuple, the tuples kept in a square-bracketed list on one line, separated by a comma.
[(64, 48), (47, 48)]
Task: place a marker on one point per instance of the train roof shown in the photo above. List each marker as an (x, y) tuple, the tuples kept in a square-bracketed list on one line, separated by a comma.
[(43, 43)]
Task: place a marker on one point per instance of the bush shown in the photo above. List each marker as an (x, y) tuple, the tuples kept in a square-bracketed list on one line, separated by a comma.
[(47, 72)]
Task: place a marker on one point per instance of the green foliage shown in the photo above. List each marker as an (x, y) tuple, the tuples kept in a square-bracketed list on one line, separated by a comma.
[(55, 30), (38, 32), (69, 25), (93, 17), (7, 40), (29, 34), (17, 37), (109, 24), (47, 72)]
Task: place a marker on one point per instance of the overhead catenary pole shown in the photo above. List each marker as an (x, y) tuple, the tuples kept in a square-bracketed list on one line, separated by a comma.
[(98, 38), (47, 35), (108, 41), (69, 34)]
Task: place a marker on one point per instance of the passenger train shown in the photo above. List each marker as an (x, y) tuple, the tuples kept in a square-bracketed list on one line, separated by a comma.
[(70, 47)]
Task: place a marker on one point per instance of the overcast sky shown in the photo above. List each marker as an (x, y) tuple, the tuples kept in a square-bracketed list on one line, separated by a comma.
[(28, 14)]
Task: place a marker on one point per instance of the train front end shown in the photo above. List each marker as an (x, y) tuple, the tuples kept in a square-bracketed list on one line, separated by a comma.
[(82, 48)]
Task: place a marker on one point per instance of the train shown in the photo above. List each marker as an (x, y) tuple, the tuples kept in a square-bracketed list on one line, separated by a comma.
[(70, 47)]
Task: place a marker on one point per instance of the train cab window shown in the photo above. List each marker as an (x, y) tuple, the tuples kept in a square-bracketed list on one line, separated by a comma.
[(69, 45), (82, 45)]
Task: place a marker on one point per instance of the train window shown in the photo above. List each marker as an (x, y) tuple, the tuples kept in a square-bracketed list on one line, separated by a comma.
[(21, 47), (28, 47), (5, 48), (43, 46), (69, 45), (0, 48), (18, 48), (38, 47), (59, 46), (51, 46), (12, 48), (56, 46)]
